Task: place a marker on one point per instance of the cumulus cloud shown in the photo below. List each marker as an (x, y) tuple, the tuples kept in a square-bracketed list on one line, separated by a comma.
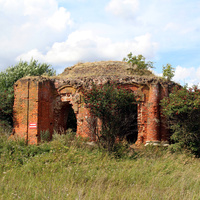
[(123, 8), (44, 30), (187, 75), (87, 46), (29, 24), (60, 19)]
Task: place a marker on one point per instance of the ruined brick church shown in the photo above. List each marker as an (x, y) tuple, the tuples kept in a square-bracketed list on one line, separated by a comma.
[(44, 103)]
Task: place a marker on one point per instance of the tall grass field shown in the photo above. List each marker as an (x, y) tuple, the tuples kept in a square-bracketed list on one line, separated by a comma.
[(69, 168)]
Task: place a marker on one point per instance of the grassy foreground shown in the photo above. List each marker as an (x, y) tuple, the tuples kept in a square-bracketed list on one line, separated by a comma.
[(66, 168)]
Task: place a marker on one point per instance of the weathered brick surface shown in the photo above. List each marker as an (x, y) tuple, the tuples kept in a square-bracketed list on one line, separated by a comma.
[(20, 109), (46, 102), (45, 107), (153, 121), (164, 131), (33, 102)]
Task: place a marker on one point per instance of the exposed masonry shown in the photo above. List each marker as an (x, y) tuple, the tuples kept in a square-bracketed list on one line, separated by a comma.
[(44, 102)]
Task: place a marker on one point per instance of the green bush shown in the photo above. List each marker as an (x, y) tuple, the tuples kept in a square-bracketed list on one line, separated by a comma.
[(7, 80), (182, 110), (116, 108)]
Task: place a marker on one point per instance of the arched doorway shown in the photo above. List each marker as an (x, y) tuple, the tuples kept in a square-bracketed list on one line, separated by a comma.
[(65, 118)]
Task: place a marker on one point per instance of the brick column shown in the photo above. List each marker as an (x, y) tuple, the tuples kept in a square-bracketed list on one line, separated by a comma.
[(86, 123), (20, 109), (45, 108), (163, 128), (142, 123), (26, 109), (153, 122), (33, 111)]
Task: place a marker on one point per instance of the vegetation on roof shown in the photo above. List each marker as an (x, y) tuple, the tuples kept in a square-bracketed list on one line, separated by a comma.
[(102, 68)]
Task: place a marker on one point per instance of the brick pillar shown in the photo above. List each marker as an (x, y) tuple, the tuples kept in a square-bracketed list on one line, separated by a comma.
[(163, 128), (86, 123), (20, 109), (33, 111), (33, 108), (45, 107), (142, 123), (153, 122), (26, 109)]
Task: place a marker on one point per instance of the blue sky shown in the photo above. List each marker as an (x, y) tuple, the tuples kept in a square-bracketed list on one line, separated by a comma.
[(64, 32)]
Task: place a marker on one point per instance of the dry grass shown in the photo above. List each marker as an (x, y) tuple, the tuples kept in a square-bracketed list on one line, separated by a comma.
[(101, 68)]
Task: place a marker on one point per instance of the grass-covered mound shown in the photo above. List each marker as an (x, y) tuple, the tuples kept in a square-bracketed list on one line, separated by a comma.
[(68, 168), (102, 68)]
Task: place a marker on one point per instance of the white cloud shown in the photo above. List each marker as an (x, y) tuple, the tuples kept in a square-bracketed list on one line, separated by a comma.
[(30, 24), (182, 73), (33, 8), (60, 19), (185, 75), (123, 8), (177, 28), (34, 53), (87, 46), (41, 8)]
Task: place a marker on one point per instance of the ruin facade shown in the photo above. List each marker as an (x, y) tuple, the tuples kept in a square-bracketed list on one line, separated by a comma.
[(43, 103)]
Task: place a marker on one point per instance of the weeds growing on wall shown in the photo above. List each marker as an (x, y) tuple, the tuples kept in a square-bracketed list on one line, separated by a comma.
[(182, 110), (115, 107), (168, 72), (139, 66)]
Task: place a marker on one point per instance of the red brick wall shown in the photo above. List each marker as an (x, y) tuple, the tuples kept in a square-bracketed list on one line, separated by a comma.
[(33, 105), (26, 109), (45, 103), (20, 109), (33, 111), (45, 108), (85, 123)]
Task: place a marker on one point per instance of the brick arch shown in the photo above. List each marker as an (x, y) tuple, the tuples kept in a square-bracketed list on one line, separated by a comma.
[(68, 98), (73, 96), (68, 93), (61, 115)]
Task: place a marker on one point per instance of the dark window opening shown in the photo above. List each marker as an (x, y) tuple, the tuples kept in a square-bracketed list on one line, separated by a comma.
[(129, 123)]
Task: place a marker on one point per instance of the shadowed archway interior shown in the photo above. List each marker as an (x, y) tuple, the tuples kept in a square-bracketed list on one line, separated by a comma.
[(71, 120)]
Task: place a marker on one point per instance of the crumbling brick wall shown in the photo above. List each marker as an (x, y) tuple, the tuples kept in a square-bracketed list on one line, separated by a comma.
[(42, 103)]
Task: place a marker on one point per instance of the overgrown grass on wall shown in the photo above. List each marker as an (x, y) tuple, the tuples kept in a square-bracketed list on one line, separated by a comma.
[(67, 168)]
